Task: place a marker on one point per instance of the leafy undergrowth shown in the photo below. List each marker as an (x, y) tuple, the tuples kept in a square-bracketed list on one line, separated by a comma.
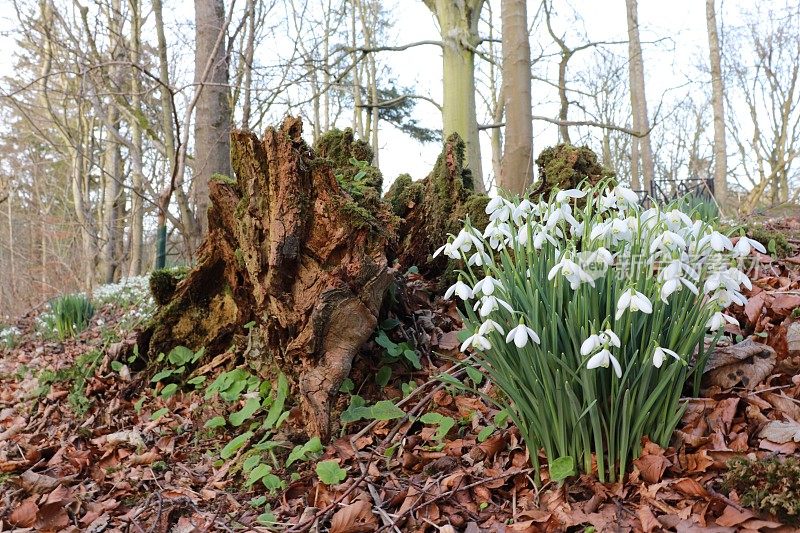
[(89, 441)]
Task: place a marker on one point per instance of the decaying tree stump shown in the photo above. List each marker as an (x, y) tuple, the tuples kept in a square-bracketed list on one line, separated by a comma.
[(290, 247), (433, 207)]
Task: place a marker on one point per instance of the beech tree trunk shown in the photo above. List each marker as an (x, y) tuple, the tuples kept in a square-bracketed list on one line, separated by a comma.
[(641, 122), (290, 249), (718, 106), (517, 167)]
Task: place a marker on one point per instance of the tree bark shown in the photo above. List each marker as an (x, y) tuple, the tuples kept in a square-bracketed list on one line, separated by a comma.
[(290, 249), (213, 116), (517, 166), (458, 23), (641, 122), (718, 106)]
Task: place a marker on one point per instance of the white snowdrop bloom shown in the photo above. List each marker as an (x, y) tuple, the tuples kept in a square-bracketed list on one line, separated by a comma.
[(602, 359), (572, 271), (628, 196), (490, 325), (673, 285), (611, 337), (718, 320), (521, 212), (494, 204), (607, 201), (677, 219), (659, 354), (477, 341), (448, 250), (601, 229), (487, 285), (635, 301), (591, 344), (463, 241), (730, 279), (672, 278), (744, 246), (521, 334), (668, 240), (460, 289), (563, 196), (717, 240), (499, 209), (498, 233), (621, 230), (725, 298), (479, 258), (489, 304)]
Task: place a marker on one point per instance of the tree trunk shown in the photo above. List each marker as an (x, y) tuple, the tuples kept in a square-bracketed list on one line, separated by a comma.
[(458, 23), (137, 190), (517, 167), (718, 106), (213, 116), (288, 248), (641, 122)]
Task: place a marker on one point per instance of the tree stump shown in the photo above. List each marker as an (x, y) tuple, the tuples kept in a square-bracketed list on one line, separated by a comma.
[(290, 248)]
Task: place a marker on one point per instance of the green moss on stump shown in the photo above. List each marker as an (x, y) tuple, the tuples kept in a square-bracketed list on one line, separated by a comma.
[(767, 486), (765, 236), (163, 283), (565, 166)]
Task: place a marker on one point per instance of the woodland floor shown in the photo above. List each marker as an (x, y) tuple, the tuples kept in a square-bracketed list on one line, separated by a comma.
[(90, 444)]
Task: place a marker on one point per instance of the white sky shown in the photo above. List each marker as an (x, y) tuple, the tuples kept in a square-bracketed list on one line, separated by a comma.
[(667, 65)]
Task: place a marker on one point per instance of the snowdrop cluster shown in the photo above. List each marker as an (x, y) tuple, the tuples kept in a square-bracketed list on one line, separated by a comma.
[(9, 335), (126, 292), (593, 290)]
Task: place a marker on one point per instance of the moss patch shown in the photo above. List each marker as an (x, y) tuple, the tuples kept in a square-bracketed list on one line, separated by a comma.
[(767, 486), (163, 283), (774, 241), (565, 166)]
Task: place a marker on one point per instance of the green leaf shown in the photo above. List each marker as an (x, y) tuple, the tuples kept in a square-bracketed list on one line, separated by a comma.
[(180, 355), (248, 410), (301, 451), (249, 325), (355, 411), (383, 376), (444, 423), (485, 433), (389, 323), (198, 354), (347, 386), (500, 418), (251, 462), (276, 408), (330, 473), (272, 482), (385, 410), (257, 473), (474, 375), (169, 390), (267, 518), (116, 366), (158, 414), (217, 421), (138, 405), (233, 446), (167, 372), (562, 468), (412, 357), (258, 501), (197, 381), (383, 340)]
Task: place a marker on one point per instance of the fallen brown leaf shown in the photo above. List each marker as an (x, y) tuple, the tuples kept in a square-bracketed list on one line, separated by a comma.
[(356, 517)]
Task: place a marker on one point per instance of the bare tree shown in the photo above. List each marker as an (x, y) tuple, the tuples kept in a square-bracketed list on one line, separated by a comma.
[(640, 147), (458, 25), (517, 167), (718, 106)]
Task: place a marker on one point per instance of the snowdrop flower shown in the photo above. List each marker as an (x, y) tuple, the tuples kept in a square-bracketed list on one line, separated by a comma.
[(572, 271), (627, 195), (559, 213), (476, 341), (718, 320), (635, 301), (671, 276), (521, 212), (677, 219), (521, 334), (730, 279), (603, 339), (487, 285), (479, 258), (718, 241), (603, 358), (725, 298), (668, 241), (449, 250), (499, 208), (563, 196), (489, 326), (489, 304), (460, 289), (659, 354), (744, 245), (498, 233)]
